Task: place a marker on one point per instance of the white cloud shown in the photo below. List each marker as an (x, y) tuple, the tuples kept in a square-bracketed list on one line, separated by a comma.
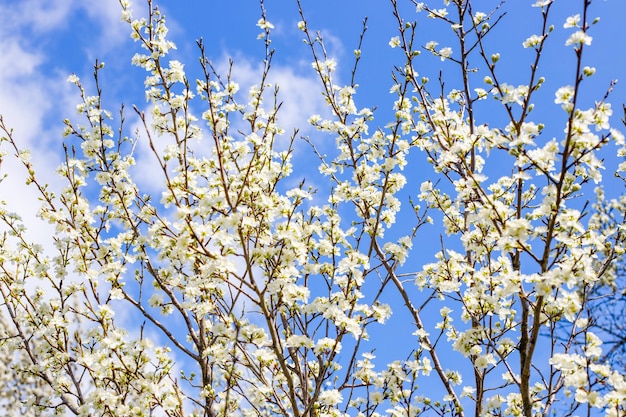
[(23, 105), (299, 94), (22, 62), (106, 15), (333, 44), (40, 17), (34, 96), (301, 97), (147, 173)]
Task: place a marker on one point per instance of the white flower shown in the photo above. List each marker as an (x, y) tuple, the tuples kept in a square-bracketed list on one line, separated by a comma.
[(594, 398), (532, 41), (445, 53), (394, 42), (431, 45), (479, 17), (542, 3), (593, 348), (73, 78), (578, 38), (481, 93), (176, 73), (484, 361), (326, 344), (264, 24), (116, 294), (572, 21), (330, 398), (299, 341), (589, 71), (438, 13), (376, 397), (564, 96)]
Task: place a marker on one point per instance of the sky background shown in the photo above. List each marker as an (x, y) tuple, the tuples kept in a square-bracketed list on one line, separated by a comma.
[(42, 42)]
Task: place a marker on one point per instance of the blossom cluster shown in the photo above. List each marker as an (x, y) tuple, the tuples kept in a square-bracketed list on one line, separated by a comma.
[(260, 297)]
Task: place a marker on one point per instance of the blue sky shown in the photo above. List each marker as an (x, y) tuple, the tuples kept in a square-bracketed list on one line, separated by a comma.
[(41, 43)]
